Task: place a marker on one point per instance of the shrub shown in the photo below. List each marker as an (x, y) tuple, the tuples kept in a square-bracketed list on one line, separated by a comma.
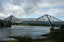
[(62, 26), (58, 35), (23, 39)]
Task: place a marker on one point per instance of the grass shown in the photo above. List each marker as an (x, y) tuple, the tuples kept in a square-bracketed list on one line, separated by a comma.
[(29, 24), (12, 41), (35, 41), (50, 41), (9, 41)]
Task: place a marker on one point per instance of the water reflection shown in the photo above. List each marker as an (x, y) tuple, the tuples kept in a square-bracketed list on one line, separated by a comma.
[(32, 31), (4, 32)]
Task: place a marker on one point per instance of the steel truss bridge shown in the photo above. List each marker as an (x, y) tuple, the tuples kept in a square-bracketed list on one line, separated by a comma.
[(45, 19)]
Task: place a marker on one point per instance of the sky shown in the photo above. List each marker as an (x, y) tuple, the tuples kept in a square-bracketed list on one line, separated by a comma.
[(32, 8)]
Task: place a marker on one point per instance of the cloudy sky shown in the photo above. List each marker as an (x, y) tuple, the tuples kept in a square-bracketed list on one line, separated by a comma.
[(32, 8)]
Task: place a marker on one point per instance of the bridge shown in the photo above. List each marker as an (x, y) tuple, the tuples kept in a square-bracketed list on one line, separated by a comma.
[(45, 19), (50, 19)]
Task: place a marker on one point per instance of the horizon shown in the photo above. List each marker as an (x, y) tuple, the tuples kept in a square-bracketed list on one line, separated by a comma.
[(37, 16)]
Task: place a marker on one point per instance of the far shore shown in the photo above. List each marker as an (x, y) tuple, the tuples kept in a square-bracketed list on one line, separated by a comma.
[(29, 24)]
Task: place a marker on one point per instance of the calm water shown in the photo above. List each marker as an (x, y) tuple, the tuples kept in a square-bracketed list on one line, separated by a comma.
[(30, 31)]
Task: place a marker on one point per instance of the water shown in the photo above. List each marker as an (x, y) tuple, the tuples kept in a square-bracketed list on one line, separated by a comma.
[(30, 31)]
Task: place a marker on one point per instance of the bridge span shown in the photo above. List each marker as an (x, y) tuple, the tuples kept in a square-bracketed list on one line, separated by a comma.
[(45, 19)]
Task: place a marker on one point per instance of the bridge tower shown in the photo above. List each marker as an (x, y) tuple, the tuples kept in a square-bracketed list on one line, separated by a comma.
[(50, 19), (11, 18)]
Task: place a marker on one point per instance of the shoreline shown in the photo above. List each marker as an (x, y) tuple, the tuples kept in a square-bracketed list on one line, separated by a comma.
[(28, 38)]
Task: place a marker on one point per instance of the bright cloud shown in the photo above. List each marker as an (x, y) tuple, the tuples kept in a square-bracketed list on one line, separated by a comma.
[(22, 8)]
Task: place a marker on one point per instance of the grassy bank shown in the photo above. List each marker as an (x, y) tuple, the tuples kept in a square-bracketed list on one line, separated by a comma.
[(50, 40), (34, 41), (29, 24), (29, 39), (12, 41)]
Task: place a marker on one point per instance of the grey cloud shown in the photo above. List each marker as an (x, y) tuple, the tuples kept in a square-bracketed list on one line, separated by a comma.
[(16, 2), (19, 2), (57, 2), (1, 3), (28, 6)]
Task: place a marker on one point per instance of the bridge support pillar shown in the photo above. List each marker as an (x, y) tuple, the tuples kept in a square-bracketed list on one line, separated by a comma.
[(52, 29)]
